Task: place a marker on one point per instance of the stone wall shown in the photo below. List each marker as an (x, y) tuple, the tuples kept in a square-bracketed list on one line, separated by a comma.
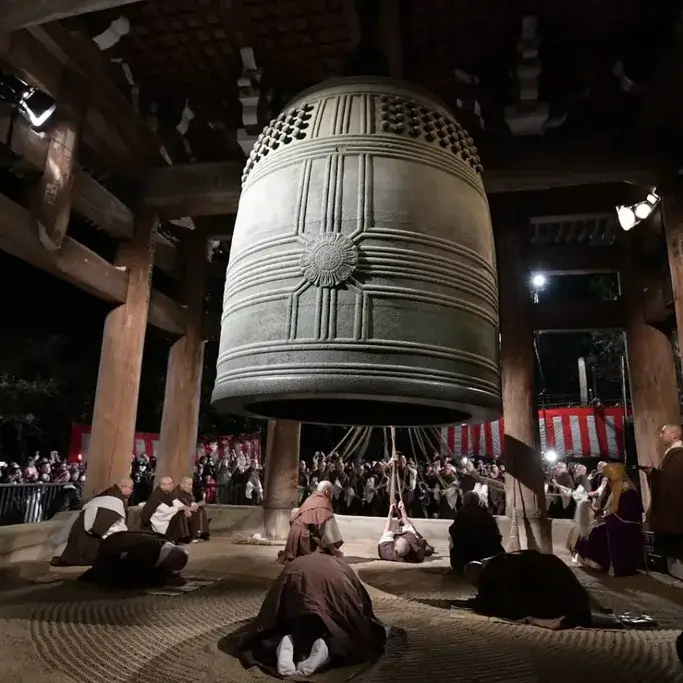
[(31, 542)]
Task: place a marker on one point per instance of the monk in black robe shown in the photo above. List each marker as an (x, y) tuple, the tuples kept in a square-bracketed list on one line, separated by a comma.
[(317, 614), (404, 545), (474, 533), (136, 559), (531, 587), (102, 516), (160, 508), (190, 524)]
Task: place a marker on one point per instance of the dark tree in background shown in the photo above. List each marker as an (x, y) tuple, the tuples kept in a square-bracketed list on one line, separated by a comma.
[(50, 342)]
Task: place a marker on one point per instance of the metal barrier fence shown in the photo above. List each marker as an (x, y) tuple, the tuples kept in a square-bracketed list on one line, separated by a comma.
[(26, 503)]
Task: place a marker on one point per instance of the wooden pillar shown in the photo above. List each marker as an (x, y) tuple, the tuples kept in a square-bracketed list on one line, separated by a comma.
[(525, 499), (180, 418), (652, 374), (673, 226), (281, 476), (118, 380), (52, 196)]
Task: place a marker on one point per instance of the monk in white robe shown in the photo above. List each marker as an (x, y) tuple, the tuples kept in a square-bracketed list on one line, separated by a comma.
[(190, 524), (101, 517), (161, 507)]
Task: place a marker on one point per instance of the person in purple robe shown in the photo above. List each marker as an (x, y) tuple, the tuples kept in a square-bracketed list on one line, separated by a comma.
[(615, 542)]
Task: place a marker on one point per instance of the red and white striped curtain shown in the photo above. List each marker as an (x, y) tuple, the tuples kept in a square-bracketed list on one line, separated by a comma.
[(247, 444), (581, 432)]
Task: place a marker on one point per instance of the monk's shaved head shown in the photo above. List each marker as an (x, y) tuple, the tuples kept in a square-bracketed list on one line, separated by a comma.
[(401, 547), (670, 433), (326, 488), (126, 486), (186, 484), (166, 483)]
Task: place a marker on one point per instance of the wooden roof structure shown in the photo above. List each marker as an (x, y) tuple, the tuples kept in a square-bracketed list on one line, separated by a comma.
[(574, 106)]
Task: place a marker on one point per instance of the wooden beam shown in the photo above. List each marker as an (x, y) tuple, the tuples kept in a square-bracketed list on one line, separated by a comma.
[(77, 52), (89, 199), (389, 36), (571, 316), (79, 266), (570, 259), (31, 61), (202, 189), (16, 14), (210, 188)]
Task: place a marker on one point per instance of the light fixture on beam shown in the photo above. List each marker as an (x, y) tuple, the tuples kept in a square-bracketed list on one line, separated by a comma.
[(630, 216), (550, 455), (34, 105), (538, 280)]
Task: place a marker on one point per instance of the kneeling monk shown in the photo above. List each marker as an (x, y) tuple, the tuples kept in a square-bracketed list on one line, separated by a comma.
[(136, 559), (313, 526), (100, 518), (529, 586), (316, 615), (405, 545)]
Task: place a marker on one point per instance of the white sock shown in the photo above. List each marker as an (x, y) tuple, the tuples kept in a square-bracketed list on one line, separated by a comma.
[(318, 658), (285, 657)]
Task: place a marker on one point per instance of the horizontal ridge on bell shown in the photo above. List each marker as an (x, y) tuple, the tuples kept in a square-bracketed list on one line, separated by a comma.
[(361, 287)]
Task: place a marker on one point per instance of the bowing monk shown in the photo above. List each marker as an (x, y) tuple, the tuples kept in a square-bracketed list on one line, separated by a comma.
[(404, 545), (530, 587), (190, 524), (136, 559), (313, 526), (474, 533), (101, 517), (316, 615), (161, 508)]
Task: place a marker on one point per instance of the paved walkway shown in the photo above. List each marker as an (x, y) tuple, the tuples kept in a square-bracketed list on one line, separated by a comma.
[(53, 629)]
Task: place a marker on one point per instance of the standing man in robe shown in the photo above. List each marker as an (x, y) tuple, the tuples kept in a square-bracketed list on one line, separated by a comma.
[(161, 508), (404, 545), (100, 517), (313, 526), (665, 516), (190, 524)]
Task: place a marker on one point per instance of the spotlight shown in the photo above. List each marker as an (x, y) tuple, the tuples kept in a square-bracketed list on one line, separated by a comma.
[(630, 216), (550, 456), (35, 106), (538, 281)]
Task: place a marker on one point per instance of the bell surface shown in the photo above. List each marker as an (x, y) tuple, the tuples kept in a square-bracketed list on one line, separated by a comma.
[(361, 287)]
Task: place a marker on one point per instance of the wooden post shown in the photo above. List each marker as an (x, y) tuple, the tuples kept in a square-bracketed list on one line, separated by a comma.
[(524, 490), (652, 374), (673, 226), (118, 381), (281, 477), (52, 196), (180, 418)]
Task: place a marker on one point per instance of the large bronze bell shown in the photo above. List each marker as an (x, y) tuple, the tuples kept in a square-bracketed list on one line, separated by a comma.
[(361, 287)]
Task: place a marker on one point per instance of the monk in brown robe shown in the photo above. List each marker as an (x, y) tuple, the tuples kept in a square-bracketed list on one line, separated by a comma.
[(190, 524), (530, 587), (404, 545), (313, 526), (102, 516), (316, 615), (137, 559), (665, 517)]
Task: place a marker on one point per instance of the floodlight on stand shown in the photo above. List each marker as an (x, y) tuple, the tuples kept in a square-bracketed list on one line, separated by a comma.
[(627, 217)]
